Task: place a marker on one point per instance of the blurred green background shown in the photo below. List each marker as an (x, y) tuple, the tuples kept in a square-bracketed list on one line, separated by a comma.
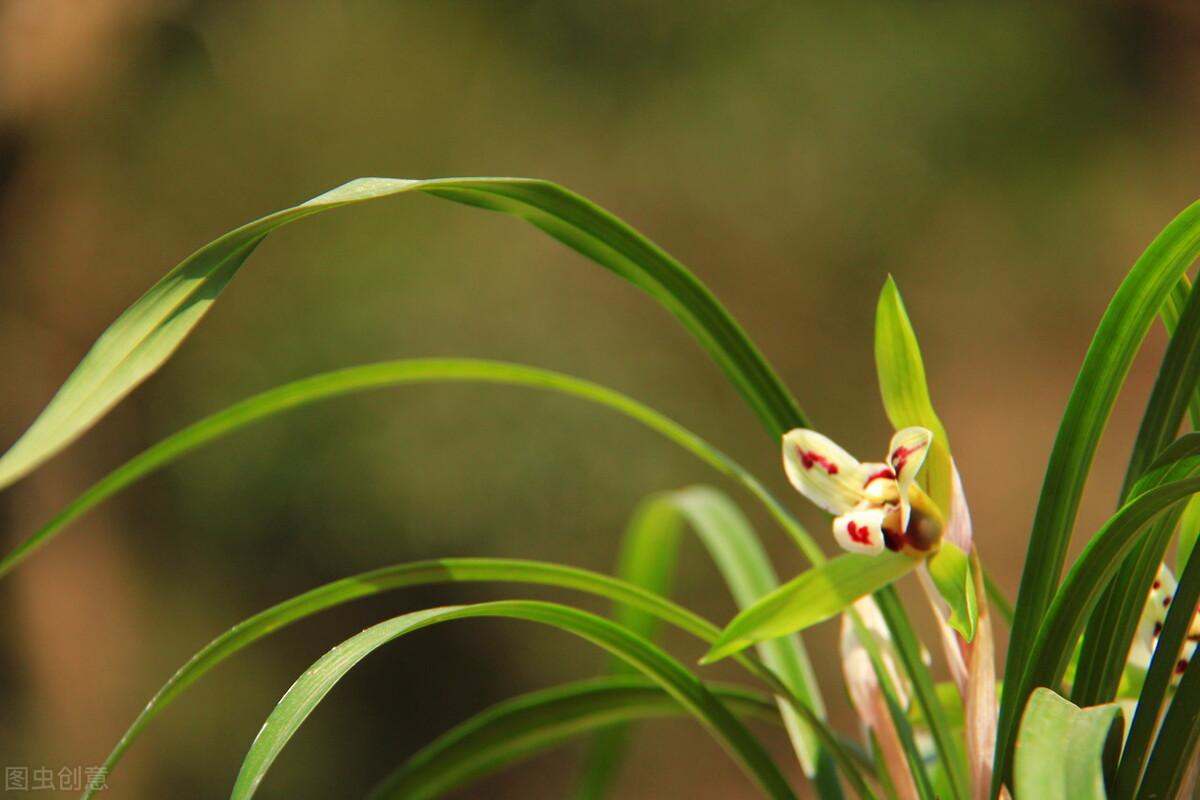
[(1006, 163)]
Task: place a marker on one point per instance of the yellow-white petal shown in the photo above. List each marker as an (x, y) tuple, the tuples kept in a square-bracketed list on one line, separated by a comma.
[(821, 471), (861, 530), (906, 455)]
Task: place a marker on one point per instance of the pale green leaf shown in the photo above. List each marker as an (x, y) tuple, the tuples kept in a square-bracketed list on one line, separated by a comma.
[(1064, 752), (520, 728), (312, 687), (951, 572), (150, 330), (815, 595)]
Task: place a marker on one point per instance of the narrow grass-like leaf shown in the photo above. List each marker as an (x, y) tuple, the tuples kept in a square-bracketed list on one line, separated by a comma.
[(738, 554), (1155, 687), (1063, 750), (1189, 523), (1112, 625), (906, 399), (651, 542), (649, 552), (904, 390), (925, 695), (1110, 628), (395, 373), (1055, 641), (308, 691), (1174, 752), (516, 729), (150, 330), (1117, 340), (451, 570), (817, 594), (1189, 531), (1174, 390), (1170, 313)]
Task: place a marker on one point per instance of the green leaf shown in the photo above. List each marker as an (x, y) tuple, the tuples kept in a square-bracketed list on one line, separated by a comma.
[(308, 691), (815, 595), (525, 726), (1189, 531), (1174, 389), (396, 373), (906, 399), (1156, 685), (908, 649), (450, 570), (1170, 313), (1063, 750), (1055, 641), (951, 572), (649, 551), (1117, 340), (150, 330), (904, 390), (1111, 627)]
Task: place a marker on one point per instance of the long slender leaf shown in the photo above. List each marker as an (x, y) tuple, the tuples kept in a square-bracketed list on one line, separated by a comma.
[(1170, 313), (1173, 393), (1111, 627), (908, 648), (395, 373), (1081, 589), (817, 594), (150, 330), (650, 546), (649, 552), (1153, 695), (1063, 750), (904, 390), (308, 691), (1189, 523), (1118, 338), (517, 729), (451, 570), (906, 398), (1175, 748)]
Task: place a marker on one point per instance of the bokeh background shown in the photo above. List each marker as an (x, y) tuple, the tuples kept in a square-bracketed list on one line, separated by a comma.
[(1007, 163)]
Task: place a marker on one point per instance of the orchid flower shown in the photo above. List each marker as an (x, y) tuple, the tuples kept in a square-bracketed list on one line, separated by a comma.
[(876, 504), (1150, 626)]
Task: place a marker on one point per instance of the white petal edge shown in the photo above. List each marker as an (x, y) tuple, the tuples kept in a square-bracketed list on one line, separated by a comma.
[(906, 455), (861, 530), (822, 471)]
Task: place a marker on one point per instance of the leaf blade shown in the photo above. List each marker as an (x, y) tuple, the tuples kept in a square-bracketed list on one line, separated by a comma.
[(395, 373), (516, 729), (1109, 357), (308, 691), (148, 332), (1062, 749), (816, 595)]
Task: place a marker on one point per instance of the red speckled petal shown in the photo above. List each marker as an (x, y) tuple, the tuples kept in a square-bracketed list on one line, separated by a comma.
[(906, 455), (821, 471), (861, 530)]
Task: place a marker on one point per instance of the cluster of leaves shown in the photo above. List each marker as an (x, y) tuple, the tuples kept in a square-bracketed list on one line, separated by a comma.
[(1069, 636)]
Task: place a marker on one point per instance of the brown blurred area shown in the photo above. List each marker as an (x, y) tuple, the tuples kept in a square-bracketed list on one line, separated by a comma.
[(1006, 163)]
